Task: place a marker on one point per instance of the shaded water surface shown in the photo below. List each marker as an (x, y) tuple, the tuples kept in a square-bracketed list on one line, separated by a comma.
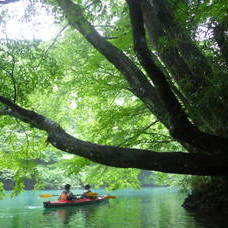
[(146, 208)]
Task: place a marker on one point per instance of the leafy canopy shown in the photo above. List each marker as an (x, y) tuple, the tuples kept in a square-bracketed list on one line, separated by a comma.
[(67, 80)]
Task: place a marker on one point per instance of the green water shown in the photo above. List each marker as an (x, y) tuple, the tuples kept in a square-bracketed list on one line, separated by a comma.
[(146, 208)]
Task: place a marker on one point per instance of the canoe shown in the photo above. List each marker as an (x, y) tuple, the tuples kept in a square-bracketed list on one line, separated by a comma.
[(78, 202)]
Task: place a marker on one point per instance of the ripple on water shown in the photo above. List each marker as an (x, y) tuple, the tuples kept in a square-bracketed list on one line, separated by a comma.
[(34, 207), (3, 216)]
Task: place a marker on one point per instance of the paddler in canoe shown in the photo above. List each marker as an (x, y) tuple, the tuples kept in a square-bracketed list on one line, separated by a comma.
[(88, 193), (67, 198), (68, 195)]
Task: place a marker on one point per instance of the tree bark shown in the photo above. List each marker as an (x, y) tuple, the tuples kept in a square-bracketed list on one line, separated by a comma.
[(161, 23), (184, 61)]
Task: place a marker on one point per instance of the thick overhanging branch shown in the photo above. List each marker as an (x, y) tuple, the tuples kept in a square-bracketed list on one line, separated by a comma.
[(140, 85), (27, 116), (180, 127), (170, 162)]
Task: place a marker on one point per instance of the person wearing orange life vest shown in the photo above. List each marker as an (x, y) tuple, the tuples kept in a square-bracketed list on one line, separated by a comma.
[(67, 194)]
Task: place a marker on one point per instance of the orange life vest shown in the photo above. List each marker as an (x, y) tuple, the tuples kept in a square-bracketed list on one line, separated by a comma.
[(63, 196)]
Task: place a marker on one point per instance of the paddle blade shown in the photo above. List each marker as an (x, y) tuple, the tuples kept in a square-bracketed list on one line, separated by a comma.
[(47, 195), (91, 194), (110, 197)]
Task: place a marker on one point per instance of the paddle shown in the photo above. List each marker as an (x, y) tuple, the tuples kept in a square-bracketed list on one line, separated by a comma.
[(91, 194), (47, 195), (94, 194), (51, 195), (110, 197)]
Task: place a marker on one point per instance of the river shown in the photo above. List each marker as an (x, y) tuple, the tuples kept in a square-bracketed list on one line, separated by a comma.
[(145, 208)]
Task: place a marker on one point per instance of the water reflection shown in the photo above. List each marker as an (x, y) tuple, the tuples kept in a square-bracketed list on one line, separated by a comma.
[(66, 215), (211, 220), (146, 208)]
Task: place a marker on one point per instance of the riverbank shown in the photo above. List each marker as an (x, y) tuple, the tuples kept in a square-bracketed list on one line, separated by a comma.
[(207, 202)]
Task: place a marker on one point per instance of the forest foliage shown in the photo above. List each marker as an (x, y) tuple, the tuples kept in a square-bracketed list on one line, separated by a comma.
[(67, 80)]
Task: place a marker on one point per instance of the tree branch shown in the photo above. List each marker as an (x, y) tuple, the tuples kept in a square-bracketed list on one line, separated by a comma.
[(5, 112), (137, 134), (11, 74), (138, 82), (171, 40), (7, 1), (163, 105), (55, 39), (180, 127), (170, 162), (220, 37), (13, 78)]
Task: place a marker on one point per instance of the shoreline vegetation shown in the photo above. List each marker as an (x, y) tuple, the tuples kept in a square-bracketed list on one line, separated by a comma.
[(207, 203), (210, 197), (29, 185)]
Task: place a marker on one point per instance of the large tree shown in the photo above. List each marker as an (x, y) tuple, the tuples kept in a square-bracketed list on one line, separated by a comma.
[(180, 82)]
